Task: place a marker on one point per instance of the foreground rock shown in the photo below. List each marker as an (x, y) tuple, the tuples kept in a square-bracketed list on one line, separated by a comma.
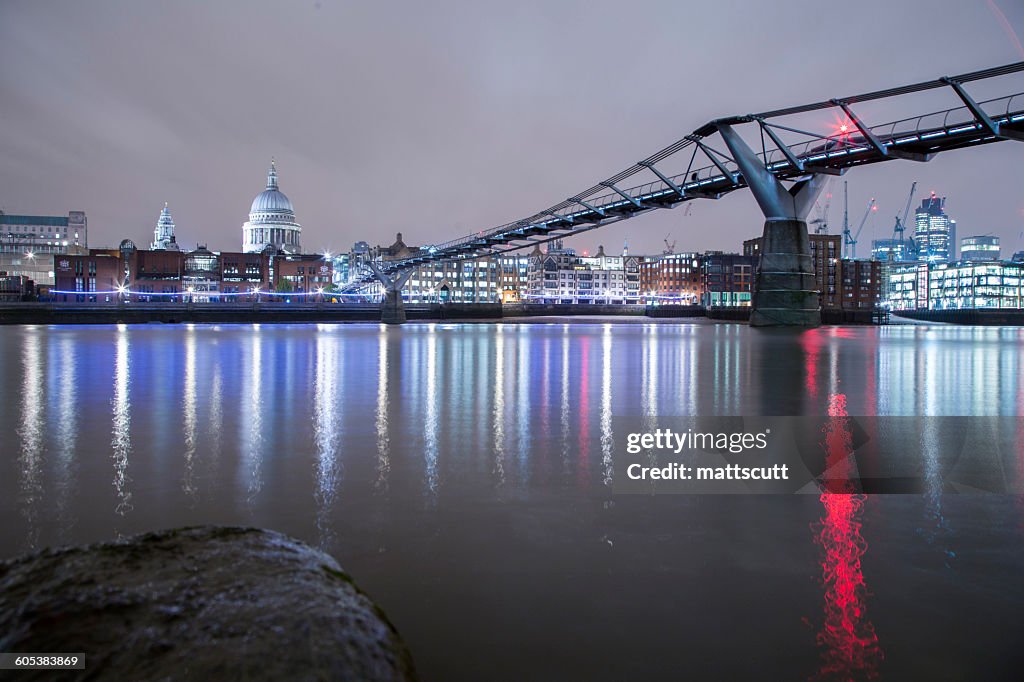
[(198, 603)]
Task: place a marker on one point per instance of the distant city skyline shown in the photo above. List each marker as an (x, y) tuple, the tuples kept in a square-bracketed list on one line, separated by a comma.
[(439, 121)]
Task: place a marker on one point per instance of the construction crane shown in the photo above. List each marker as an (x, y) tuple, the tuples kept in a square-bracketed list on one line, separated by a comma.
[(850, 240), (899, 231), (846, 214), (821, 221), (670, 247)]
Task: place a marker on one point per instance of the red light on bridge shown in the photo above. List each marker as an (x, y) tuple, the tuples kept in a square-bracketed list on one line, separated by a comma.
[(843, 127)]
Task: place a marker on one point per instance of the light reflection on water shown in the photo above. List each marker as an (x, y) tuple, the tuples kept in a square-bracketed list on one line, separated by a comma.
[(330, 379), (63, 389), (381, 422), (30, 432), (251, 426), (850, 647), (121, 443), (188, 483), (473, 450)]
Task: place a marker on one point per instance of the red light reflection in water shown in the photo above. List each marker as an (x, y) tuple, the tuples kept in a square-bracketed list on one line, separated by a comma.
[(811, 342), (851, 649)]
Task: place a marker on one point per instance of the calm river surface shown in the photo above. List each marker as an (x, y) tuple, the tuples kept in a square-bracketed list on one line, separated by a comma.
[(461, 473)]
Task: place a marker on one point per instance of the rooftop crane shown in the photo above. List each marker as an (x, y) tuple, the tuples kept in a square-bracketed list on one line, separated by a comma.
[(899, 231), (670, 247), (851, 240), (821, 222)]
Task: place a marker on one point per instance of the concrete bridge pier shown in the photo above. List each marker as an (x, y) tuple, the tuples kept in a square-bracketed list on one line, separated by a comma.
[(785, 293), (392, 307)]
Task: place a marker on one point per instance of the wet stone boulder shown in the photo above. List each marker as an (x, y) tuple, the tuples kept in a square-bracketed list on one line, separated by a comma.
[(203, 603)]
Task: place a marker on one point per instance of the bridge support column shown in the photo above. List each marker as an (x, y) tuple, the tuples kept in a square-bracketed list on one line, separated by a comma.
[(784, 293), (392, 307)]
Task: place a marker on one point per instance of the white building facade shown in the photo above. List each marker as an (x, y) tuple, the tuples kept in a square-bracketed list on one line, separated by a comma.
[(560, 276)]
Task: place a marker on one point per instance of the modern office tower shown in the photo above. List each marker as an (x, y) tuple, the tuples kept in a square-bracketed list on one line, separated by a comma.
[(934, 232)]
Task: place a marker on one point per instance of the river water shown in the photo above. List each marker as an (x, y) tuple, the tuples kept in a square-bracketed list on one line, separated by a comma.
[(462, 474)]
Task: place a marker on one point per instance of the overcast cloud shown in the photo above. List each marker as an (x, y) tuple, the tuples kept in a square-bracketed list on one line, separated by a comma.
[(442, 118)]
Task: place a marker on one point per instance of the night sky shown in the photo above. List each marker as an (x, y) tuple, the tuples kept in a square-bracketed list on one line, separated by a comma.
[(442, 118)]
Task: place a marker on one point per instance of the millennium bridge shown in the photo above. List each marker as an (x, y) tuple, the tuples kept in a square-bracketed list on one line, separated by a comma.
[(784, 160)]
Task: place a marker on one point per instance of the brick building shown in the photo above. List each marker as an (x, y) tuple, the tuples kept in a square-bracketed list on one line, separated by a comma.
[(153, 276), (726, 279), (671, 278), (86, 278), (860, 284), (244, 272), (302, 274)]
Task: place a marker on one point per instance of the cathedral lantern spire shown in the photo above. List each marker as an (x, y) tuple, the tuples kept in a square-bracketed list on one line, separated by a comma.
[(272, 175), (163, 233)]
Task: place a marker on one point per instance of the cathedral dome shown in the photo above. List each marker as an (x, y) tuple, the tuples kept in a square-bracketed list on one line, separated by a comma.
[(272, 221), (272, 199)]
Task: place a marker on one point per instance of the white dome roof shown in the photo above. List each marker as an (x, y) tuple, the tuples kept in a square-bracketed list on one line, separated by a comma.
[(272, 199)]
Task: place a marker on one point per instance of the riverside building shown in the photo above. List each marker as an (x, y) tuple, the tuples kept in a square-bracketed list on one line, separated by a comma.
[(560, 276), (955, 286), (27, 243), (671, 278), (726, 279)]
